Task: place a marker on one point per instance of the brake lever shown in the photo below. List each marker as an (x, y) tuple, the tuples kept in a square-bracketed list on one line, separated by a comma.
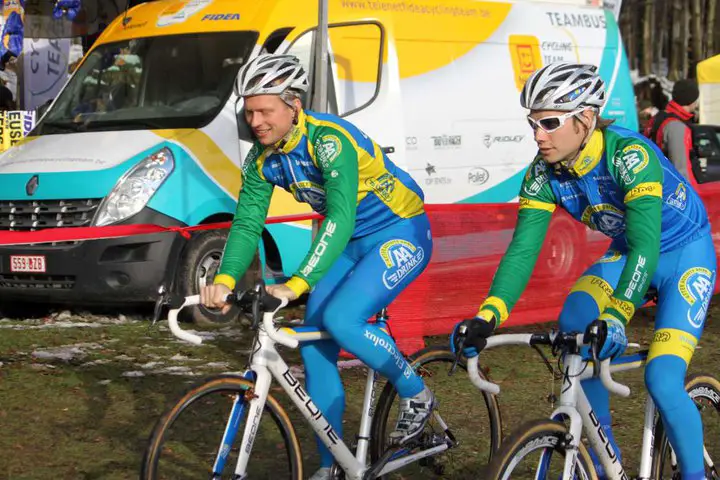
[(159, 304), (594, 354), (462, 332)]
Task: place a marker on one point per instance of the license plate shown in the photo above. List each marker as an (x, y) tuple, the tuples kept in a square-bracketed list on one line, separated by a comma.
[(27, 263)]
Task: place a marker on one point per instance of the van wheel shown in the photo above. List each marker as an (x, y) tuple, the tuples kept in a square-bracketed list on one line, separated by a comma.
[(561, 256), (199, 265)]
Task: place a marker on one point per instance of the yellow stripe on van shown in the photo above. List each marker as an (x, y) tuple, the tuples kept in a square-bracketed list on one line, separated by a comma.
[(428, 34), (227, 174), (210, 156)]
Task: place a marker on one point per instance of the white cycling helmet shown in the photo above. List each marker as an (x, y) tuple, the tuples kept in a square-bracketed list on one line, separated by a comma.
[(565, 87), (271, 75)]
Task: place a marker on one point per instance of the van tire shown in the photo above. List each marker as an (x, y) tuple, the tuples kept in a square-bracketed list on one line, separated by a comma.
[(563, 248), (200, 262)]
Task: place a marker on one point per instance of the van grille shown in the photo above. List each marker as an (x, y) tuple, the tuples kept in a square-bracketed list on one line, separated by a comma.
[(35, 281), (30, 215)]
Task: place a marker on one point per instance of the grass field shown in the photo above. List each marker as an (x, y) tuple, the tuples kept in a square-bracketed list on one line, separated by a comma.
[(80, 393)]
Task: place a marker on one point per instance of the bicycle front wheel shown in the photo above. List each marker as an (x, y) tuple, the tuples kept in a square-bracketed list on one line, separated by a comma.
[(186, 440), (537, 451)]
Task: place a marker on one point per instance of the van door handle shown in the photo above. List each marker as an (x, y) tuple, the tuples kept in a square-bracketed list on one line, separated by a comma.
[(387, 150)]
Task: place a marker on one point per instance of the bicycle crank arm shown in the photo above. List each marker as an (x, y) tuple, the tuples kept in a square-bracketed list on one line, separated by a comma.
[(446, 430), (374, 469)]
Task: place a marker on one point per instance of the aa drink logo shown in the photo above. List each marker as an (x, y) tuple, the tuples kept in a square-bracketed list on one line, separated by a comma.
[(401, 258), (604, 218), (678, 199), (696, 287), (310, 193)]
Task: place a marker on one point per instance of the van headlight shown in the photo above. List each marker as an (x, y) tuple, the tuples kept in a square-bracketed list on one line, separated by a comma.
[(132, 192)]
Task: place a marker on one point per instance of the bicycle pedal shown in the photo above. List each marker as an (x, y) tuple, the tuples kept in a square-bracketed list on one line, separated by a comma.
[(411, 444), (436, 439)]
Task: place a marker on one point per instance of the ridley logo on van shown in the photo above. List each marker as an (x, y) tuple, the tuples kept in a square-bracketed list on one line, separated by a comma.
[(489, 139)]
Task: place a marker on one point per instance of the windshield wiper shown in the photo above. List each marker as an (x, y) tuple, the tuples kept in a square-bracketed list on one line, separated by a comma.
[(67, 126), (127, 122)]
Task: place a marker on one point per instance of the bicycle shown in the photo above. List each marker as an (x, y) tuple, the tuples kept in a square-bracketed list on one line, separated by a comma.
[(554, 436), (250, 394)]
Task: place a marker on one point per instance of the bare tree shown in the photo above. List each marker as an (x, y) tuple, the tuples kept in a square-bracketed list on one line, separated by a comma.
[(648, 29), (696, 30), (685, 52), (661, 33), (628, 32), (676, 41), (679, 32)]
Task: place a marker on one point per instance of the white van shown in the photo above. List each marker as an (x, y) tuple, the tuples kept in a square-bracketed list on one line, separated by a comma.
[(146, 130)]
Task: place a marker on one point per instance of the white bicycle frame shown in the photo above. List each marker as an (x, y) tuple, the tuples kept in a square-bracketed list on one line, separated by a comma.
[(575, 406), (268, 364)]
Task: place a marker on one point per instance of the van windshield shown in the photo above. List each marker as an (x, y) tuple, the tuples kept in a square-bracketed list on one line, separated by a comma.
[(174, 81)]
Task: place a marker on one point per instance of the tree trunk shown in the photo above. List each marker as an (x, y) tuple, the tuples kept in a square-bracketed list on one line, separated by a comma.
[(661, 36), (685, 38), (629, 33), (697, 30), (648, 29), (676, 41), (716, 30)]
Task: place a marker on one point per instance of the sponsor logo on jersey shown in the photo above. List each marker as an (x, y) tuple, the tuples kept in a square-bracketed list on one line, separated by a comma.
[(401, 258)]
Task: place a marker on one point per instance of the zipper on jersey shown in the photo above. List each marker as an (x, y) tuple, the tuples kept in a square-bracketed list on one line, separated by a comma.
[(299, 195)]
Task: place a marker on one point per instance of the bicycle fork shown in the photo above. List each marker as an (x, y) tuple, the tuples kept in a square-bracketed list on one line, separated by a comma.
[(575, 407), (567, 409), (231, 428)]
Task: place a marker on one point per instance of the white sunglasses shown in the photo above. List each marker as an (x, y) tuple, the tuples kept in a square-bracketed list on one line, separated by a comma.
[(552, 123)]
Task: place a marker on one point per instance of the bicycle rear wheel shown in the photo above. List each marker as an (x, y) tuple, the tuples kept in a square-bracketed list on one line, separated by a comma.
[(186, 439), (705, 392), (537, 451), (460, 404)]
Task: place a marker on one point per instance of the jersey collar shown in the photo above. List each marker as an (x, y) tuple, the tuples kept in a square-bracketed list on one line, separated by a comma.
[(290, 141), (590, 155)]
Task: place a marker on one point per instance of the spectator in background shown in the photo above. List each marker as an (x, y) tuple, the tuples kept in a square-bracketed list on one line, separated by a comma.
[(646, 111), (6, 99), (670, 129)]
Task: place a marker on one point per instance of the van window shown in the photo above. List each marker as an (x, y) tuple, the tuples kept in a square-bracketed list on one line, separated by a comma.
[(302, 48), (174, 81), (356, 55)]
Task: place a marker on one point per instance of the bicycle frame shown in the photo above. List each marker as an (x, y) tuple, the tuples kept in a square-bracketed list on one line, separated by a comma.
[(574, 406), (266, 365)]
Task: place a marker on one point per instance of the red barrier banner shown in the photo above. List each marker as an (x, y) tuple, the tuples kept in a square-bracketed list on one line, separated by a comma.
[(69, 234), (469, 241)]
